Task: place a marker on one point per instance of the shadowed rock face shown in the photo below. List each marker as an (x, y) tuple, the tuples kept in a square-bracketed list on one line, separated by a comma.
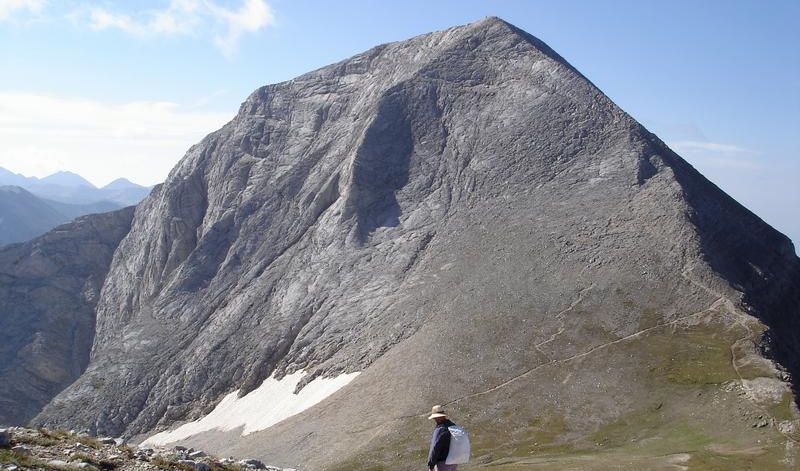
[(49, 288), (467, 220)]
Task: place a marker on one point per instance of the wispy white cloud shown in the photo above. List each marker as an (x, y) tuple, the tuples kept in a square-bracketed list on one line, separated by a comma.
[(226, 26), (715, 154), (9, 7), (709, 146), (42, 134), (249, 18)]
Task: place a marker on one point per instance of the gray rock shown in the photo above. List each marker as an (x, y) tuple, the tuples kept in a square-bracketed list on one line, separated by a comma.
[(46, 330), (252, 464), (58, 463), (85, 466), (197, 454), (197, 465), (5, 437), (463, 201), (107, 441), (23, 450), (12, 467)]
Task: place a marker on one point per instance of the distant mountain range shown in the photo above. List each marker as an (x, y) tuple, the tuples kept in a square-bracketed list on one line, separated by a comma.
[(24, 215), (68, 187), (31, 206)]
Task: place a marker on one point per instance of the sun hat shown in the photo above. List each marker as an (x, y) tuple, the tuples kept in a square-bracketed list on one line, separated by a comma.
[(437, 411)]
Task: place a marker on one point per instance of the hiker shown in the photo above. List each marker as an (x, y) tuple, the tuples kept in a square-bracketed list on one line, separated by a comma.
[(440, 441)]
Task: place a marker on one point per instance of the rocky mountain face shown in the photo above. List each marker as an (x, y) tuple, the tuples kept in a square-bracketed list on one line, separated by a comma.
[(49, 288), (465, 219)]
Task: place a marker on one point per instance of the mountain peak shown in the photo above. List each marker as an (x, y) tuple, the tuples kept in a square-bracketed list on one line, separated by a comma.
[(498, 29), (120, 184), (490, 21), (65, 178)]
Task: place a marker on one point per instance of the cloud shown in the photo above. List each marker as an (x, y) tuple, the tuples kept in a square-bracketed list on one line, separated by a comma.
[(141, 140), (226, 26), (8, 7), (251, 17), (709, 146), (707, 154)]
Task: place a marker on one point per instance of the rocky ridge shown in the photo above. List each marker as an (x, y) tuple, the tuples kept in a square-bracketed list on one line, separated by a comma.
[(42, 449)]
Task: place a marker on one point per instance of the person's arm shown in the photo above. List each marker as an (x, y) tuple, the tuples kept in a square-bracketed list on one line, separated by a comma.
[(441, 448)]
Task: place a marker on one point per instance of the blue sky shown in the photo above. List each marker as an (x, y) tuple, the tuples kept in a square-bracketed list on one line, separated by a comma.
[(110, 89)]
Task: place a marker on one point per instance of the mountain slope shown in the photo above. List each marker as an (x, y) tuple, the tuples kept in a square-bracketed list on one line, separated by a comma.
[(23, 216), (464, 219), (48, 290), (72, 211)]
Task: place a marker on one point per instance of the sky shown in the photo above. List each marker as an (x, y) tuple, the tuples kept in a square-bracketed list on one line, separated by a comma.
[(112, 89)]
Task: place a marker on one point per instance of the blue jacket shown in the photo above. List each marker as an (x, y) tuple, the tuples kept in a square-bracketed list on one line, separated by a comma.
[(440, 443)]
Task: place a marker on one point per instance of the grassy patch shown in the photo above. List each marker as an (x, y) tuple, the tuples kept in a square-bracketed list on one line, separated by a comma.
[(126, 451), (697, 356), (783, 409), (225, 467), (106, 465), (40, 440), (649, 432), (54, 434), (90, 442), (8, 457), (168, 465), (769, 459)]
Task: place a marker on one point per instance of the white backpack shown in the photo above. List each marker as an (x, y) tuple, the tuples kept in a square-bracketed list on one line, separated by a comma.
[(459, 446)]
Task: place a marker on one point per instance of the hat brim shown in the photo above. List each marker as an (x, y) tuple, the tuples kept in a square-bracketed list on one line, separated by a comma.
[(436, 416)]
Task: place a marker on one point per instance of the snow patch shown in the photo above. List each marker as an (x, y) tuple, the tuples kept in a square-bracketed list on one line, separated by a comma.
[(262, 408)]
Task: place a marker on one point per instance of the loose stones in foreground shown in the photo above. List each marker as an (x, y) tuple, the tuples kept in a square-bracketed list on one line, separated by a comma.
[(69, 451)]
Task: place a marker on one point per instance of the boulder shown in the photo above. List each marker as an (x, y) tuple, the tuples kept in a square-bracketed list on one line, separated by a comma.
[(21, 450), (197, 465), (252, 464)]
